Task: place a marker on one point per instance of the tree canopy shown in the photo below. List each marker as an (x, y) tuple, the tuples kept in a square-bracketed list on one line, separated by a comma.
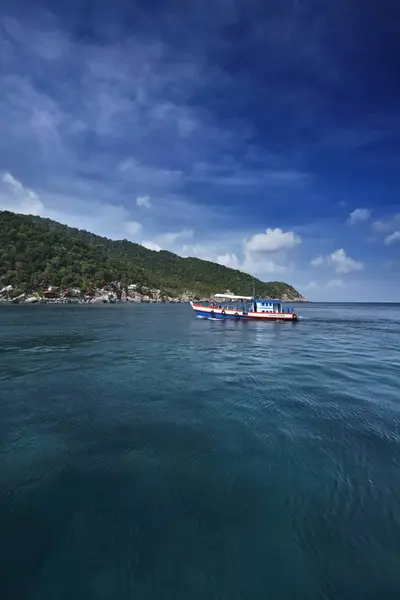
[(36, 252)]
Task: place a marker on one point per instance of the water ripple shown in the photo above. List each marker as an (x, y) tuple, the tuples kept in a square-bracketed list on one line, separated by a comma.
[(149, 454)]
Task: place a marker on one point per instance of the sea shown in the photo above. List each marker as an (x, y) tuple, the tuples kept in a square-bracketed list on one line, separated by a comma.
[(146, 454)]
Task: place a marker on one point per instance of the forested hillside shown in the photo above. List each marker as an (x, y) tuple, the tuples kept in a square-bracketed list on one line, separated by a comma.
[(35, 252)]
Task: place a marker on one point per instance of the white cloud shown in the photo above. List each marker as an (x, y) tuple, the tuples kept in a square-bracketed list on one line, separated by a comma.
[(343, 263), (334, 283), (49, 44), (128, 91), (203, 251), (17, 198), (262, 254), (143, 201), (133, 227), (393, 237), (359, 215), (339, 261), (388, 264), (312, 285), (149, 175), (385, 225), (182, 119), (168, 239), (233, 173), (116, 222), (262, 268), (272, 240), (229, 260), (317, 262), (380, 226), (229, 249), (105, 219), (150, 245)]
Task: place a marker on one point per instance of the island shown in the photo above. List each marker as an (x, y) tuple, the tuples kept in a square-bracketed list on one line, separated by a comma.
[(45, 261)]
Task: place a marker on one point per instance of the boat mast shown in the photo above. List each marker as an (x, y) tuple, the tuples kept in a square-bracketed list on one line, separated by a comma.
[(254, 294)]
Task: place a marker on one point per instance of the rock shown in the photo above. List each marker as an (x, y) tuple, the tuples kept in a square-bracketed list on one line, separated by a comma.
[(7, 289)]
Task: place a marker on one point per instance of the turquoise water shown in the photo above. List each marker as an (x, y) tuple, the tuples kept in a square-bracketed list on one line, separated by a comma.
[(147, 454)]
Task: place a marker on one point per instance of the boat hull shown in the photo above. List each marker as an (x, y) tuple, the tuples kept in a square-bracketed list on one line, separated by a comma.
[(219, 313)]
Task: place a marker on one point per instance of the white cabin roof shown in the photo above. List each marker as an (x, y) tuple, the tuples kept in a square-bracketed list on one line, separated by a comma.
[(232, 297)]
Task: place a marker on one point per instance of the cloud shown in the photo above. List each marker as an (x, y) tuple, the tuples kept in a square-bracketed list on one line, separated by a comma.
[(393, 237), (334, 283), (16, 198), (262, 267), (171, 241), (340, 262), (388, 264), (144, 124), (229, 260), (90, 214), (150, 245), (317, 262), (385, 225), (133, 227), (183, 119), (150, 175), (261, 254), (359, 215), (233, 173), (168, 239), (49, 44), (343, 263), (126, 106), (272, 241), (229, 248), (143, 201), (381, 226), (203, 251), (250, 264)]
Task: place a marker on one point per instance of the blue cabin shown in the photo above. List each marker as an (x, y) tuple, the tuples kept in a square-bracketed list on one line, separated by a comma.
[(267, 306), (270, 306)]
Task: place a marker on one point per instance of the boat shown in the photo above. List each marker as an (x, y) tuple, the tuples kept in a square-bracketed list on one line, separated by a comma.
[(230, 306)]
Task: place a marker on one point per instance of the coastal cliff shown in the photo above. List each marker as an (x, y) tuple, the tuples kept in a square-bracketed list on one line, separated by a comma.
[(40, 258)]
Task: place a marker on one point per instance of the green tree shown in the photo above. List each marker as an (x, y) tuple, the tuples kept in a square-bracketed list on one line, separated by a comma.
[(35, 251)]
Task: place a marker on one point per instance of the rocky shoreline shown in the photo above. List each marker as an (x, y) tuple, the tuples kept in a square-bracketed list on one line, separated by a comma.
[(112, 293)]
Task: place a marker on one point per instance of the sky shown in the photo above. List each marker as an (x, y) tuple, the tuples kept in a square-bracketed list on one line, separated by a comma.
[(261, 135)]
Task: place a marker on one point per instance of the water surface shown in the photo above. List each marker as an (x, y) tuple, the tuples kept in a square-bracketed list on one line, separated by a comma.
[(148, 454)]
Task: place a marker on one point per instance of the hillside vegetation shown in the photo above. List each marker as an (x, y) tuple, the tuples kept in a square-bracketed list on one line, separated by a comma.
[(36, 252)]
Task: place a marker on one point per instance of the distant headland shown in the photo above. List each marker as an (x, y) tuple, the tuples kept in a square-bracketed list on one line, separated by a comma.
[(44, 261)]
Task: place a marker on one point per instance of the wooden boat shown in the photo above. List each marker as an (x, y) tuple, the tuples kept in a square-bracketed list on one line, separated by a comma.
[(230, 306)]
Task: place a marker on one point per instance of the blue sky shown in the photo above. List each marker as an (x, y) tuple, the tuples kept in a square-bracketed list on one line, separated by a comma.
[(262, 135)]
